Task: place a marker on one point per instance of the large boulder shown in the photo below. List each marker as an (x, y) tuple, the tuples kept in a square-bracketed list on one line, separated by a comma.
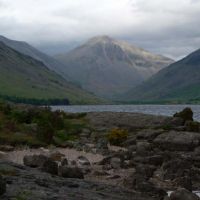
[(2, 186), (50, 167), (149, 134), (178, 141), (186, 114), (35, 160), (183, 194), (70, 172)]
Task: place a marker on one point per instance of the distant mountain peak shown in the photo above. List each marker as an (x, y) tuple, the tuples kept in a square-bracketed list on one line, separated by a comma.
[(101, 39), (106, 66)]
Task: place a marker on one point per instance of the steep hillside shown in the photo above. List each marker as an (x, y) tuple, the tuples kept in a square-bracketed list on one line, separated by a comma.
[(180, 82), (29, 50), (24, 77), (108, 67)]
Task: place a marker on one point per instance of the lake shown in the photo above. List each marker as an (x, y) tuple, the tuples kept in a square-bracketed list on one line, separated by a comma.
[(167, 110)]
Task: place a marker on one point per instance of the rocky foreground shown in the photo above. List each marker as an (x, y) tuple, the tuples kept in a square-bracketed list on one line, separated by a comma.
[(160, 155)]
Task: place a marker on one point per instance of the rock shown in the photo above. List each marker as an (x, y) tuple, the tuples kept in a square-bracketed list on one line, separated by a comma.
[(186, 114), (73, 163), (177, 141), (141, 184), (173, 123), (83, 161), (184, 182), (145, 170), (2, 155), (33, 184), (100, 173), (102, 144), (176, 168), (50, 167), (6, 148), (183, 194), (35, 160), (116, 163), (56, 156), (64, 162), (70, 172), (156, 160), (149, 134), (2, 186), (130, 141), (143, 148), (192, 126)]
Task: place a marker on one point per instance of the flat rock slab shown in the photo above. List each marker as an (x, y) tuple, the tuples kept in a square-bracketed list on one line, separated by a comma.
[(32, 184), (126, 120)]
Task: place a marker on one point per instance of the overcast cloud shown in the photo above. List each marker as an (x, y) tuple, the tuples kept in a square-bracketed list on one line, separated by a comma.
[(169, 27)]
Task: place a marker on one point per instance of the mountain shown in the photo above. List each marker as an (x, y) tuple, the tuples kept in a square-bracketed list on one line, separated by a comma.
[(22, 76), (29, 50), (180, 82), (107, 67)]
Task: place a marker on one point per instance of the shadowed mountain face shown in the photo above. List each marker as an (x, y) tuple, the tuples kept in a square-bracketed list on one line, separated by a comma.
[(27, 49), (179, 82), (24, 77), (108, 67)]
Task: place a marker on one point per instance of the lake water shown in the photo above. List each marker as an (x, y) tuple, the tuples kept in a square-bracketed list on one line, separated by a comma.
[(167, 110)]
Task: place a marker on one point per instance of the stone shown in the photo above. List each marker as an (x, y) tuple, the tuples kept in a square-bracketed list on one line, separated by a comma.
[(183, 194), (50, 167), (35, 160), (143, 148), (82, 161), (145, 170), (177, 141), (176, 168), (184, 182), (192, 126), (2, 186), (70, 172), (116, 163), (102, 143), (56, 156), (186, 114), (6, 148), (149, 134), (64, 162)]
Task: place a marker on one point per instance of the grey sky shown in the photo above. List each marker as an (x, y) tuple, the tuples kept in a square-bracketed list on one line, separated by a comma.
[(169, 27)]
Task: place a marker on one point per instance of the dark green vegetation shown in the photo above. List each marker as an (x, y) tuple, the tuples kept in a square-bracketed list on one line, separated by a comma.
[(34, 126), (24, 79), (178, 83)]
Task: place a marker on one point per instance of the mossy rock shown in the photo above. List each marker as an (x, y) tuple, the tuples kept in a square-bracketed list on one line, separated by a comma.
[(186, 114), (192, 126)]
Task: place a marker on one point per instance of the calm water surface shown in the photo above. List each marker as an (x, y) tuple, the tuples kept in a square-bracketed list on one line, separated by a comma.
[(167, 110)]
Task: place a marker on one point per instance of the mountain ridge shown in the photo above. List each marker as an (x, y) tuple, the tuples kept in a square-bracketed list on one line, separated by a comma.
[(179, 82), (22, 76), (107, 66)]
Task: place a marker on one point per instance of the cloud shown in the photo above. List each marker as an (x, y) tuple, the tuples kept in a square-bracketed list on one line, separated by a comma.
[(165, 27)]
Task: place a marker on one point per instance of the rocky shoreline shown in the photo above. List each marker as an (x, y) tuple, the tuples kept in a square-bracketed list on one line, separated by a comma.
[(159, 154)]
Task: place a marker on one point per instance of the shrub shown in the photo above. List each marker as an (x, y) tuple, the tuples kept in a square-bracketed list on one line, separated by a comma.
[(116, 136)]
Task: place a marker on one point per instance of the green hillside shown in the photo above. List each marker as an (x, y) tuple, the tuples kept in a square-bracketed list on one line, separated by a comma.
[(24, 77), (178, 83)]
